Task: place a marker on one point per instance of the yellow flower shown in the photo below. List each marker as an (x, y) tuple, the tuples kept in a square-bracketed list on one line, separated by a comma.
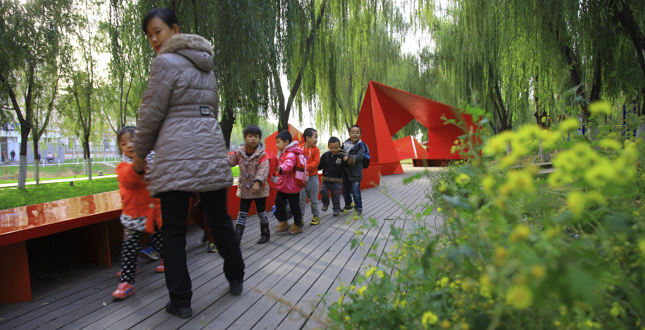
[(361, 290), (462, 179), (487, 183), (439, 209), (442, 188), (538, 271), (521, 181), (520, 233), (444, 281), (500, 255), (370, 272), (569, 125), (556, 323), (610, 144), (464, 326), (543, 120), (599, 108), (576, 203), (429, 318), (380, 274), (519, 296), (445, 324)]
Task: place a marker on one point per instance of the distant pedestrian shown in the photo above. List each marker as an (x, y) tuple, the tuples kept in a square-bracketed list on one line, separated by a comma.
[(4, 157), (13, 154)]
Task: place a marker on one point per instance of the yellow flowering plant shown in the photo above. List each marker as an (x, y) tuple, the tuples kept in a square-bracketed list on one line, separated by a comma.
[(517, 248)]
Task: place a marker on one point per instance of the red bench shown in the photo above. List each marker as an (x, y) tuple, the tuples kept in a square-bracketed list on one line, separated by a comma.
[(87, 216), (85, 219)]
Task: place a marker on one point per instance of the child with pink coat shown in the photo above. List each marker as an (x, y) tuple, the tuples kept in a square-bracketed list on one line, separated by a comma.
[(286, 186)]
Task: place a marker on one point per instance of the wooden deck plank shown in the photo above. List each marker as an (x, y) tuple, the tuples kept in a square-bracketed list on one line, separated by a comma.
[(306, 286), (215, 290), (298, 268)]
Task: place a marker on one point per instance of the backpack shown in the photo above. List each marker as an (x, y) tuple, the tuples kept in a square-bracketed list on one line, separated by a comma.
[(300, 171), (366, 159), (273, 163)]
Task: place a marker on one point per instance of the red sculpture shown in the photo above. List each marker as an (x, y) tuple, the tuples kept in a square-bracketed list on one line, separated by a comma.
[(386, 110)]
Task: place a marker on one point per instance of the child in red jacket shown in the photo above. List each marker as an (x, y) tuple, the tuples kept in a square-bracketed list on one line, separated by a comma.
[(140, 213), (313, 185)]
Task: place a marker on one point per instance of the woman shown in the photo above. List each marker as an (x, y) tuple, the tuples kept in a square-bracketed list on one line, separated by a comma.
[(178, 119)]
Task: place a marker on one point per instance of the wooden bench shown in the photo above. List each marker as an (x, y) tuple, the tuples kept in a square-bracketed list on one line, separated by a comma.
[(85, 218), (84, 222)]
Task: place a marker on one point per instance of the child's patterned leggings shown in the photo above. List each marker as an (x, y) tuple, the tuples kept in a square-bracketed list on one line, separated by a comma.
[(130, 252)]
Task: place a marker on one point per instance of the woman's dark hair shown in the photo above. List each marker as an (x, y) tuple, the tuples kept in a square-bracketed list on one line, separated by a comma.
[(284, 136), (165, 14), (333, 139), (309, 132), (125, 129), (252, 130)]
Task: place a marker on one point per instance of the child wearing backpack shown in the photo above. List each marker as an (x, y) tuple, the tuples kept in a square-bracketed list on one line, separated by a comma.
[(332, 165), (312, 153), (251, 183), (287, 187), (353, 174), (140, 213)]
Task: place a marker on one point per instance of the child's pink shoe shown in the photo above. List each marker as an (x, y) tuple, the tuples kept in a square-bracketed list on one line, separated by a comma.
[(123, 291), (160, 268)]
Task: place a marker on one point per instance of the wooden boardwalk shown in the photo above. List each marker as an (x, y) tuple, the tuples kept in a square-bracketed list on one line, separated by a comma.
[(298, 269)]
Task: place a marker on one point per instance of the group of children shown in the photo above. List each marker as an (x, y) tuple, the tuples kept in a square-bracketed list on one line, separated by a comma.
[(260, 171)]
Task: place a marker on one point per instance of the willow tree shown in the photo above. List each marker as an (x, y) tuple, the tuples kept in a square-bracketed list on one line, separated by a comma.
[(357, 41), (82, 77), (517, 58), (31, 37), (128, 67)]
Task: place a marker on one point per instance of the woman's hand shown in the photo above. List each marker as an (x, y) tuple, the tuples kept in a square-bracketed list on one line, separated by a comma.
[(139, 165)]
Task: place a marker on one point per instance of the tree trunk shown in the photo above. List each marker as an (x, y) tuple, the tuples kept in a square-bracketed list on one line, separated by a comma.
[(627, 21), (284, 113), (22, 171), (509, 148), (227, 122), (87, 167), (36, 163)]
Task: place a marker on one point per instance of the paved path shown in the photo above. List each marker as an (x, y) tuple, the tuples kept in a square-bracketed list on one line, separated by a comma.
[(297, 269)]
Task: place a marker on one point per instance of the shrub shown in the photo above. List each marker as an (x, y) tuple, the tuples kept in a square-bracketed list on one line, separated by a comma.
[(516, 252)]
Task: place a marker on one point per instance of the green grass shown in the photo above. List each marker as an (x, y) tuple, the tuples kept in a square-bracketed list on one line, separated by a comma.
[(9, 174), (34, 194)]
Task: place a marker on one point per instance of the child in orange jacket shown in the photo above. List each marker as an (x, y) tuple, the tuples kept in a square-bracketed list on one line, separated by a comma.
[(313, 185), (140, 213)]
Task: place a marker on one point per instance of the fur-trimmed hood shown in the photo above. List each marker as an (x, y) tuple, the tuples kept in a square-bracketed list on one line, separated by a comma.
[(193, 47)]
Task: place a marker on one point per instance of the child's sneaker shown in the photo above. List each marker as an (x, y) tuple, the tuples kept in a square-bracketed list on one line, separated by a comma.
[(283, 226), (359, 211), (315, 220), (149, 253), (135, 273), (160, 268), (123, 291), (349, 207), (336, 213), (295, 229), (211, 247), (324, 207)]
